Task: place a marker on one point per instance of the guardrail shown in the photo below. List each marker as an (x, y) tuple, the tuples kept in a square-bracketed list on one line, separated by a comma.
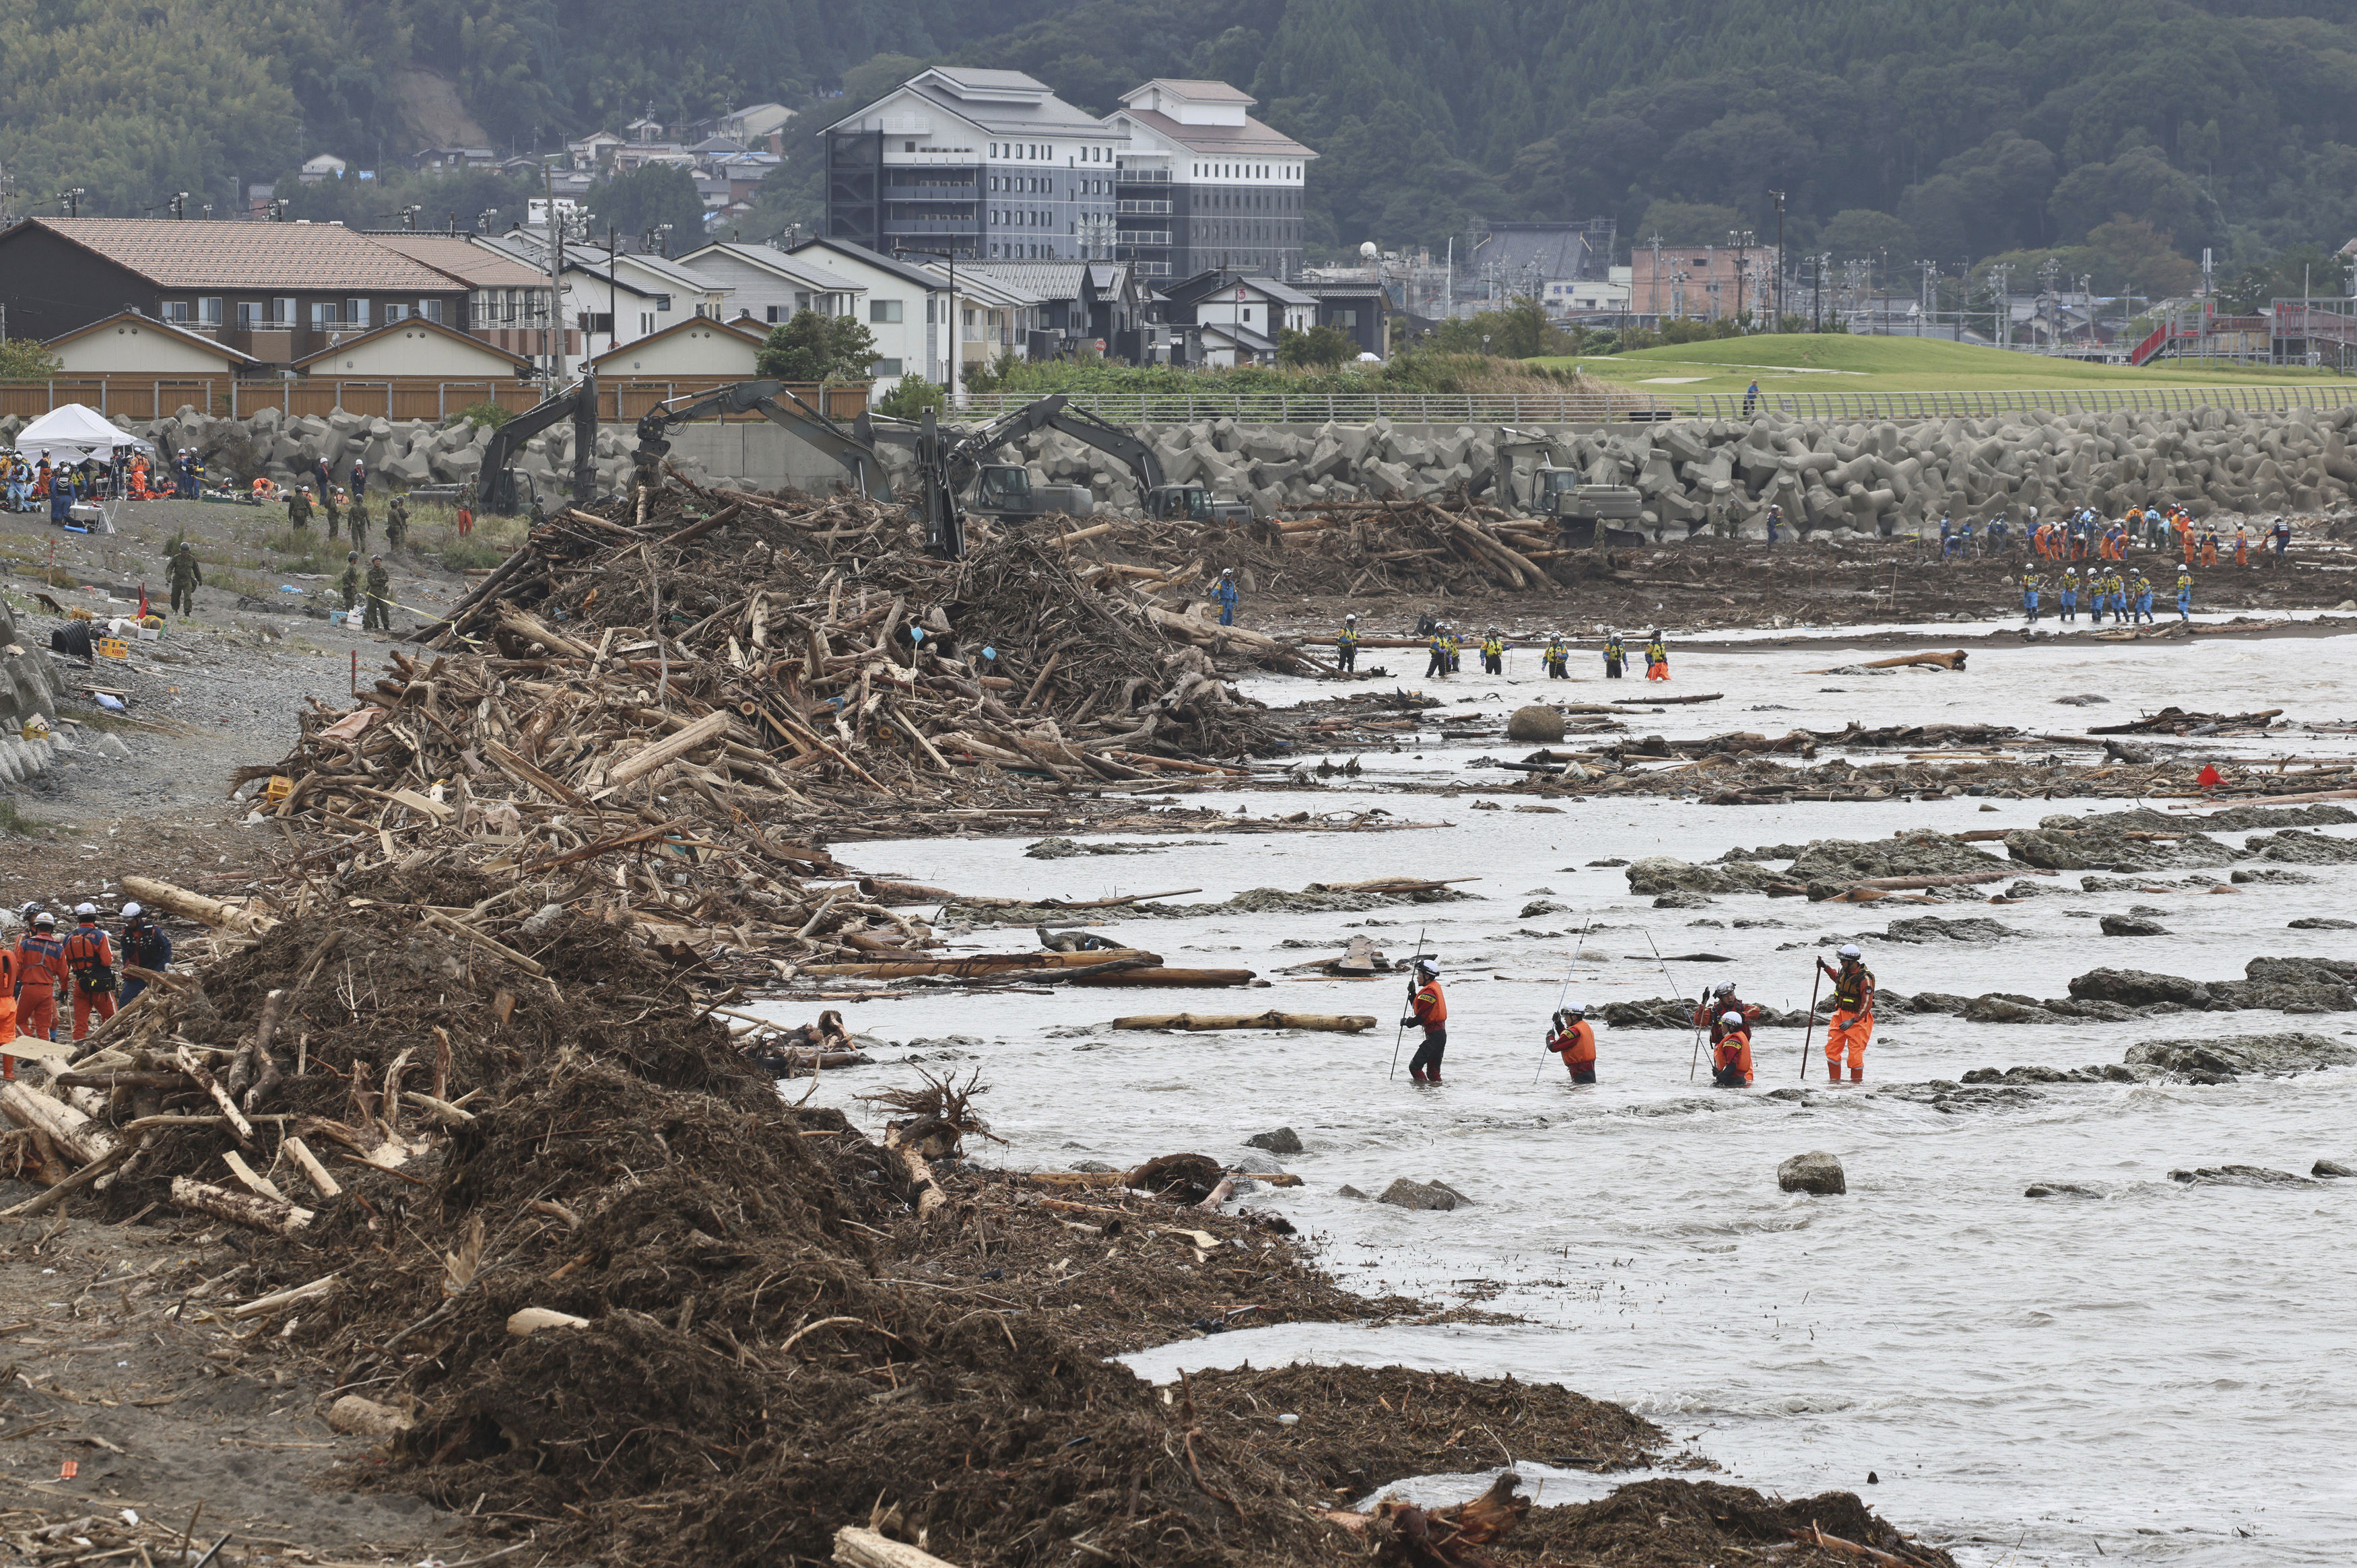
[(1617, 408)]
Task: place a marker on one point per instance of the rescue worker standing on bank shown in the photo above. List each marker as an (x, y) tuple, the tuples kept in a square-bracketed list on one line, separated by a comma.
[(1429, 1010), (145, 946), (1852, 1024), (8, 1010), (2030, 584), (1346, 641), (1574, 1039), (1616, 654), (329, 504), (2185, 597), (1223, 594), (40, 970), (360, 521), (1730, 1053), (185, 578), (90, 957), (379, 616), (1657, 657)]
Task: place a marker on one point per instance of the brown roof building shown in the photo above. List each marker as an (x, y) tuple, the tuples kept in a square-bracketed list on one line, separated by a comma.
[(275, 291), (1203, 186)]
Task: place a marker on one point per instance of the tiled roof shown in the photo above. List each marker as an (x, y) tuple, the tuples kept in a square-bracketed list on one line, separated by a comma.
[(1201, 92), (477, 267), (226, 255), (1250, 139)]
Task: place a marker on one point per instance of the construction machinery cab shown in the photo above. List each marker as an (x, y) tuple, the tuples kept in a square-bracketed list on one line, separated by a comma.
[(1193, 503), (1003, 487)]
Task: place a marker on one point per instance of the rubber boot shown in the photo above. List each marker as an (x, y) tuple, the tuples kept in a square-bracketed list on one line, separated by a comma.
[(1435, 1078), (1832, 1072), (1857, 1075), (1416, 1073)]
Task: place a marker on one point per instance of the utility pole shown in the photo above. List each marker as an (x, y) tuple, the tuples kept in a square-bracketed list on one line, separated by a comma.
[(1653, 283), (1931, 271), (612, 304), (1741, 240), (2001, 327), (555, 283), (1778, 325)]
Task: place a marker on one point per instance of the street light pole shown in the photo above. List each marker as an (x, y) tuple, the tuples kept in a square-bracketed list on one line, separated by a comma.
[(956, 397), (1779, 324)]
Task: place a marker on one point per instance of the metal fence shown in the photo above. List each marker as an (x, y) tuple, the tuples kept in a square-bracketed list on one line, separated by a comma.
[(1617, 408), (141, 398)]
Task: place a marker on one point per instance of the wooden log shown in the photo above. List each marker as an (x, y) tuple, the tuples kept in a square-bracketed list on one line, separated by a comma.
[(1337, 1023), (253, 1180), (978, 965), (649, 758), (242, 1127), (857, 1548), (483, 940), (278, 1301), (929, 1196), (238, 1207), (324, 1184), (77, 1137), (532, 1319), (204, 911), (1955, 661), (41, 1203), (1155, 975)]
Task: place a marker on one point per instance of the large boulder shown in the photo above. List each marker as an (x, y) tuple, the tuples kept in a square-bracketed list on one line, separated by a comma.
[(1660, 874), (2288, 1051), (1536, 724), (1434, 1195), (2138, 988), (1816, 1171)]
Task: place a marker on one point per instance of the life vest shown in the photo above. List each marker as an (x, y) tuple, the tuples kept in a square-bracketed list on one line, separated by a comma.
[(1346, 638), (1575, 1045), (1493, 647), (1657, 652), (1616, 651), (1556, 653), (1430, 1007), (43, 963), (1853, 989)]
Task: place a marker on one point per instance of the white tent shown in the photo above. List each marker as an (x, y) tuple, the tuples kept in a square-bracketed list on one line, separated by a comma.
[(72, 433)]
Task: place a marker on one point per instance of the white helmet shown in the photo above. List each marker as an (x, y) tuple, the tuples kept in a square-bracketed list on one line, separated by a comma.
[(1733, 1020), (1427, 966), (132, 911), (1351, 617), (85, 908), (1724, 988), (1851, 949), (45, 919)]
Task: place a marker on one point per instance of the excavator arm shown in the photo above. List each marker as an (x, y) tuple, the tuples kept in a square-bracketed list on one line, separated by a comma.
[(495, 484), (1512, 444), (1051, 413), (855, 448)]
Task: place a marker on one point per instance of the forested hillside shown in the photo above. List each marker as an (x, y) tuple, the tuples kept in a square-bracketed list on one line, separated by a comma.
[(1907, 129)]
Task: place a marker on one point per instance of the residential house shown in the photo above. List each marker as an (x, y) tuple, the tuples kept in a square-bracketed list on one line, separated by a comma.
[(412, 349), (767, 285), (276, 291), (905, 305), (129, 343), (1608, 295), (644, 129), (1360, 311), (997, 318), (693, 350), (613, 297), (506, 301), (1238, 318), (1525, 258), (592, 151), (321, 167), (452, 160), (756, 125), (1097, 308), (982, 164), (1202, 184)]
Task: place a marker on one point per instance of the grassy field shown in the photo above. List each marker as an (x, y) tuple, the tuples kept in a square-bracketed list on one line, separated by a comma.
[(1837, 363)]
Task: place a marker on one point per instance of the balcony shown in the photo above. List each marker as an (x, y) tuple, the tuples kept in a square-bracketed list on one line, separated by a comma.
[(1142, 237), (1144, 209), (1141, 177)]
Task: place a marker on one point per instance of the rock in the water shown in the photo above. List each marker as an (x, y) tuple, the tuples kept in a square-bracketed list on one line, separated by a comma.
[(2331, 1168), (1816, 1171), (1682, 901), (2138, 988), (2239, 1176), (1537, 907), (1346, 1191), (1406, 1194), (2288, 1051), (2132, 925), (1537, 724), (2271, 873), (1257, 1162), (2299, 848), (2059, 1188), (1284, 1140), (2323, 923)]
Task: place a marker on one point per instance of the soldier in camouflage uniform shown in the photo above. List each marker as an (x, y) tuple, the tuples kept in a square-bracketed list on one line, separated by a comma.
[(351, 581), (327, 504), (380, 597), (396, 523), (186, 575), (360, 521), (298, 506)]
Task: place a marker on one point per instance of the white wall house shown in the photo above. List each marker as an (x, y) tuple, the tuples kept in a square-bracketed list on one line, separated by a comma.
[(770, 286)]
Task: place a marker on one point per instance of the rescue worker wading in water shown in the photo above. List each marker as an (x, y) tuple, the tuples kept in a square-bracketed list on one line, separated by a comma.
[(1616, 654), (1721, 1004), (1852, 1021), (1574, 1039), (1657, 659), (1428, 1009), (1730, 1055), (1346, 645)]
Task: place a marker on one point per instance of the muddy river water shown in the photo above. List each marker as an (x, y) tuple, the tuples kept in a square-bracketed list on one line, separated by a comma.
[(2160, 1374)]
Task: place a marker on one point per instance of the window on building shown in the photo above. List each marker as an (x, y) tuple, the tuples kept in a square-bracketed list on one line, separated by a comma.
[(356, 312), (646, 323), (249, 315), (176, 310), (907, 146), (395, 312), (802, 300), (884, 312), (1345, 318), (885, 368), (431, 309), (662, 302), (282, 312), (209, 312), (325, 313)]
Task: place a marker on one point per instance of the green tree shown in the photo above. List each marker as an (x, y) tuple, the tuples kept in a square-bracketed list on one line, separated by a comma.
[(23, 360), (2140, 259), (1862, 232), (814, 347), (640, 200), (1322, 345)]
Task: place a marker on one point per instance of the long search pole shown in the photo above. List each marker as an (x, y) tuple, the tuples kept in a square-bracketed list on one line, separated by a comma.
[(1809, 1030), (1401, 1032), (1565, 989), (1696, 1058)]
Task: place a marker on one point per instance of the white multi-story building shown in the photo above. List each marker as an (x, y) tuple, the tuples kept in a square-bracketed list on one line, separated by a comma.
[(1203, 187)]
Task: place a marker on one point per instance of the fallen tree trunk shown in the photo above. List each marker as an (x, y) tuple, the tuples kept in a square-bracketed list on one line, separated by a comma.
[(1938, 660), (1907, 883), (204, 911), (238, 1207), (857, 1548), (978, 965), (77, 1137), (1337, 1023), (1176, 977)]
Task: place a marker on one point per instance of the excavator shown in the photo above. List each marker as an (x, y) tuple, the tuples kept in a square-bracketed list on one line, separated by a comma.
[(1004, 491), (1580, 508), (496, 484)]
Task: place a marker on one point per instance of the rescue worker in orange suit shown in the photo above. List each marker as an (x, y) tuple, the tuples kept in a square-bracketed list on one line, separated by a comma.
[(1657, 658), (1429, 1010), (89, 958), (1852, 1021), (7, 1009), (2210, 545), (1574, 1039), (2241, 545), (40, 970), (1730, 1054), (1721, 1004)]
